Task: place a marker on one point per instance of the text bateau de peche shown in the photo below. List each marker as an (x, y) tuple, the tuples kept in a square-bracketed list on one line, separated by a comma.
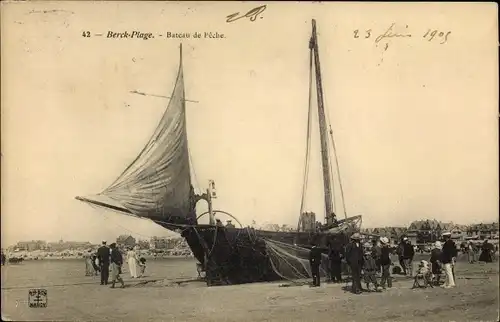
[(213, 35)]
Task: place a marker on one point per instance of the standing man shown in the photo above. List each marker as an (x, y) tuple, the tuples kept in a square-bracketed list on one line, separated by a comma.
[(449, 253), (354, 258), (400, 251), (103, 256), (471, 252), (408, 254), (116, 265), (335, 256), (385, 262), (376, 253), (315, 261)]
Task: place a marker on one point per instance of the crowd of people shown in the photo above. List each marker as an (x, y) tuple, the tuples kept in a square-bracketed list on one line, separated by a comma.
[(372, 262), (110, 259)]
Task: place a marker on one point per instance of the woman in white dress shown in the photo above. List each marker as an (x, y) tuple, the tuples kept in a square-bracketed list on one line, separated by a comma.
[(89, 269), (132, 262)]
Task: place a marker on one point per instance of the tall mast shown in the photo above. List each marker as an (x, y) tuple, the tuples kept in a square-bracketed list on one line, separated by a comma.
[(325, 157)]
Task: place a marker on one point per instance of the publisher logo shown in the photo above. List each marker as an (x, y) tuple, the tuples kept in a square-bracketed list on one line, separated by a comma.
[(37, 297)]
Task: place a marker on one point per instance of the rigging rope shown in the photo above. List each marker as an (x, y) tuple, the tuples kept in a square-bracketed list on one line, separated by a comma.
[(308, 143), (196, 186), (99, 209), (337, 164)]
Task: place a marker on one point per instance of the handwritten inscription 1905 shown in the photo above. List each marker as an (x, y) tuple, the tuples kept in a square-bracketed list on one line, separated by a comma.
[(430, 34)]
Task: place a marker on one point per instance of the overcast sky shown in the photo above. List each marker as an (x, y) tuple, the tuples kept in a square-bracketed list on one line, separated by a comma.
[(415, 122)]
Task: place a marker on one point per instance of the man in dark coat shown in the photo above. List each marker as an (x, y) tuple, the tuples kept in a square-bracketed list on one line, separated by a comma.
[(116, 264), (376, 253), (354, 258), (400, 251), (408, 254), (449, 253), (315, 261), (335, 256), (103, 256)]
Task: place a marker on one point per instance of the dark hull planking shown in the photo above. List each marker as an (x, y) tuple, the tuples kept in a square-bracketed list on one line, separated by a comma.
[(238, 255)]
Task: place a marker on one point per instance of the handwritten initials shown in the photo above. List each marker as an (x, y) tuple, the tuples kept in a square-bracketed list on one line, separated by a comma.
[(252, 14)]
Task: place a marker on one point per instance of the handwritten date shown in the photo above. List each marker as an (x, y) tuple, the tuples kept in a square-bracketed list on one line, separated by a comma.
[(252, 14), (430, 35)]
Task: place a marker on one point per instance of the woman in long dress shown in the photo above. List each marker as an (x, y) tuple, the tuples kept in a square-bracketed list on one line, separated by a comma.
[(89, 269), (132, 262), (487, 251)]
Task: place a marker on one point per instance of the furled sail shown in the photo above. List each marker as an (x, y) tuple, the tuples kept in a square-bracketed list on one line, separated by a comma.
[(157, 184)]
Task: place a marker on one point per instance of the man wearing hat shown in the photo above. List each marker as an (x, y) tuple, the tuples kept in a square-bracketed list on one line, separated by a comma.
[(369, 267), (449, 253), (408, 254), (385, 262), (103, 256), (354, 258)]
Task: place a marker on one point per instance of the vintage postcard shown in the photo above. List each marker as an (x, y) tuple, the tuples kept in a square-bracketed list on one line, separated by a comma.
[(249, 161)]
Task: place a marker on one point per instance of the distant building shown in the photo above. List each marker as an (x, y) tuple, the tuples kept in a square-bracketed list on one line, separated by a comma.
[(125, 241), (428, 231), (161, 243), (31, 245), (143, 244), (483, 231), (167, 243), (308, 221), (68, 245), (458, 232), (393, 233)]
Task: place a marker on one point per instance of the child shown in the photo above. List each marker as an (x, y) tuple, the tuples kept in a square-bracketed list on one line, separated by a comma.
[(424, 273), (423, 268), (370, 268), (142, 266)]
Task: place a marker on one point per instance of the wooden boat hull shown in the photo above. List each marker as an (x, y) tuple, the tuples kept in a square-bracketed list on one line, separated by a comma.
[(239, 255)]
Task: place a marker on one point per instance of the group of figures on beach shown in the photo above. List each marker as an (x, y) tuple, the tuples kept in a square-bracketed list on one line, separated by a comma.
[(110, 259), (487, 251), (372, 262)]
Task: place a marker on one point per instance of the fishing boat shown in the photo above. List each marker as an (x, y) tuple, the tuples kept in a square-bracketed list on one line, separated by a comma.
[(157, 186)]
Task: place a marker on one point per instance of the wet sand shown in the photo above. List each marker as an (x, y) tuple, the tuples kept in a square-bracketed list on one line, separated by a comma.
[(81, 298)]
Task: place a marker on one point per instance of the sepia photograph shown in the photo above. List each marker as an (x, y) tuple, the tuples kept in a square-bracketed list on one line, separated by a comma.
[(245, 161)]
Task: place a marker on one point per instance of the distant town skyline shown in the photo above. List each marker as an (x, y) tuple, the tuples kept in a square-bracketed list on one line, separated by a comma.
[(139, 237)]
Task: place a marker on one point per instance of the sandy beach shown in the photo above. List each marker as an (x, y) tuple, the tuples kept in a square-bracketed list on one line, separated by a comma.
[(72, 296)]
